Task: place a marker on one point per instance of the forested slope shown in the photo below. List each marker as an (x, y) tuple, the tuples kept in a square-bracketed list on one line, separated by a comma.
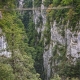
[(20, 65)]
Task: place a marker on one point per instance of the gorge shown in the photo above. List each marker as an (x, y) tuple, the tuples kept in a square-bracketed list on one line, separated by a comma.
[(44, 43)]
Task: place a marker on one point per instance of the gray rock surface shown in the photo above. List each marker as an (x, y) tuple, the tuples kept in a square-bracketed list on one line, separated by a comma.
[(69, 39), (0, 15), (3, 45)]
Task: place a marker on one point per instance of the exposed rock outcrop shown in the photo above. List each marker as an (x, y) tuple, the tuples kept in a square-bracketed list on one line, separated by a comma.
[(70, 39), (3, 45), (0, 15)]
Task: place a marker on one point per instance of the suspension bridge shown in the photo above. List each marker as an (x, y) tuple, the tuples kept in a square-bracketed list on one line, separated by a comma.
[(38, 8)]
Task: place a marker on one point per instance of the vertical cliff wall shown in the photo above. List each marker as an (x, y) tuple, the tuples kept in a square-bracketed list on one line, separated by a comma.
[(66, 40)]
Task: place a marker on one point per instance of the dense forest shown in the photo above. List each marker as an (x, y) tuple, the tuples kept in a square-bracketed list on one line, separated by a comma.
[(20, 66), (27, 46)]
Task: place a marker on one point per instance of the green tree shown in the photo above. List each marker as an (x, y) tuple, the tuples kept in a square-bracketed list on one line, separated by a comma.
[(6, 72), (67, 2), (22, 64), (56, 77)]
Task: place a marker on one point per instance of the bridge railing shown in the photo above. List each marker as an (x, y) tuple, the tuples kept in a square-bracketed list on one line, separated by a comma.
[(38, 8)]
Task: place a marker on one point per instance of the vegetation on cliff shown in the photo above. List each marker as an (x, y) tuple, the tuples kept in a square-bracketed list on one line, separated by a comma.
[(65, 69), (26, 45)]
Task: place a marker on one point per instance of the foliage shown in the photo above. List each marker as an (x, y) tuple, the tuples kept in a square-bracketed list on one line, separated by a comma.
[(63, 66), (21, 62), (28, 3), (47, 33), (6, 72), (56, 2), (67, 2), (7, 4), (56, 77), (37, 3), (47, 2), (71, 15), (35, 48)]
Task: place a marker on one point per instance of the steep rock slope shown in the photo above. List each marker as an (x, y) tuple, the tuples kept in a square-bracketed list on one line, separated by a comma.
[(61, 35)]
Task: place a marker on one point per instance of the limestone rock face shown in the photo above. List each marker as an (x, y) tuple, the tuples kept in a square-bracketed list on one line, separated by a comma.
[(0, 15), (70, 39), (3, 45), (21, 3), (74, 45)]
